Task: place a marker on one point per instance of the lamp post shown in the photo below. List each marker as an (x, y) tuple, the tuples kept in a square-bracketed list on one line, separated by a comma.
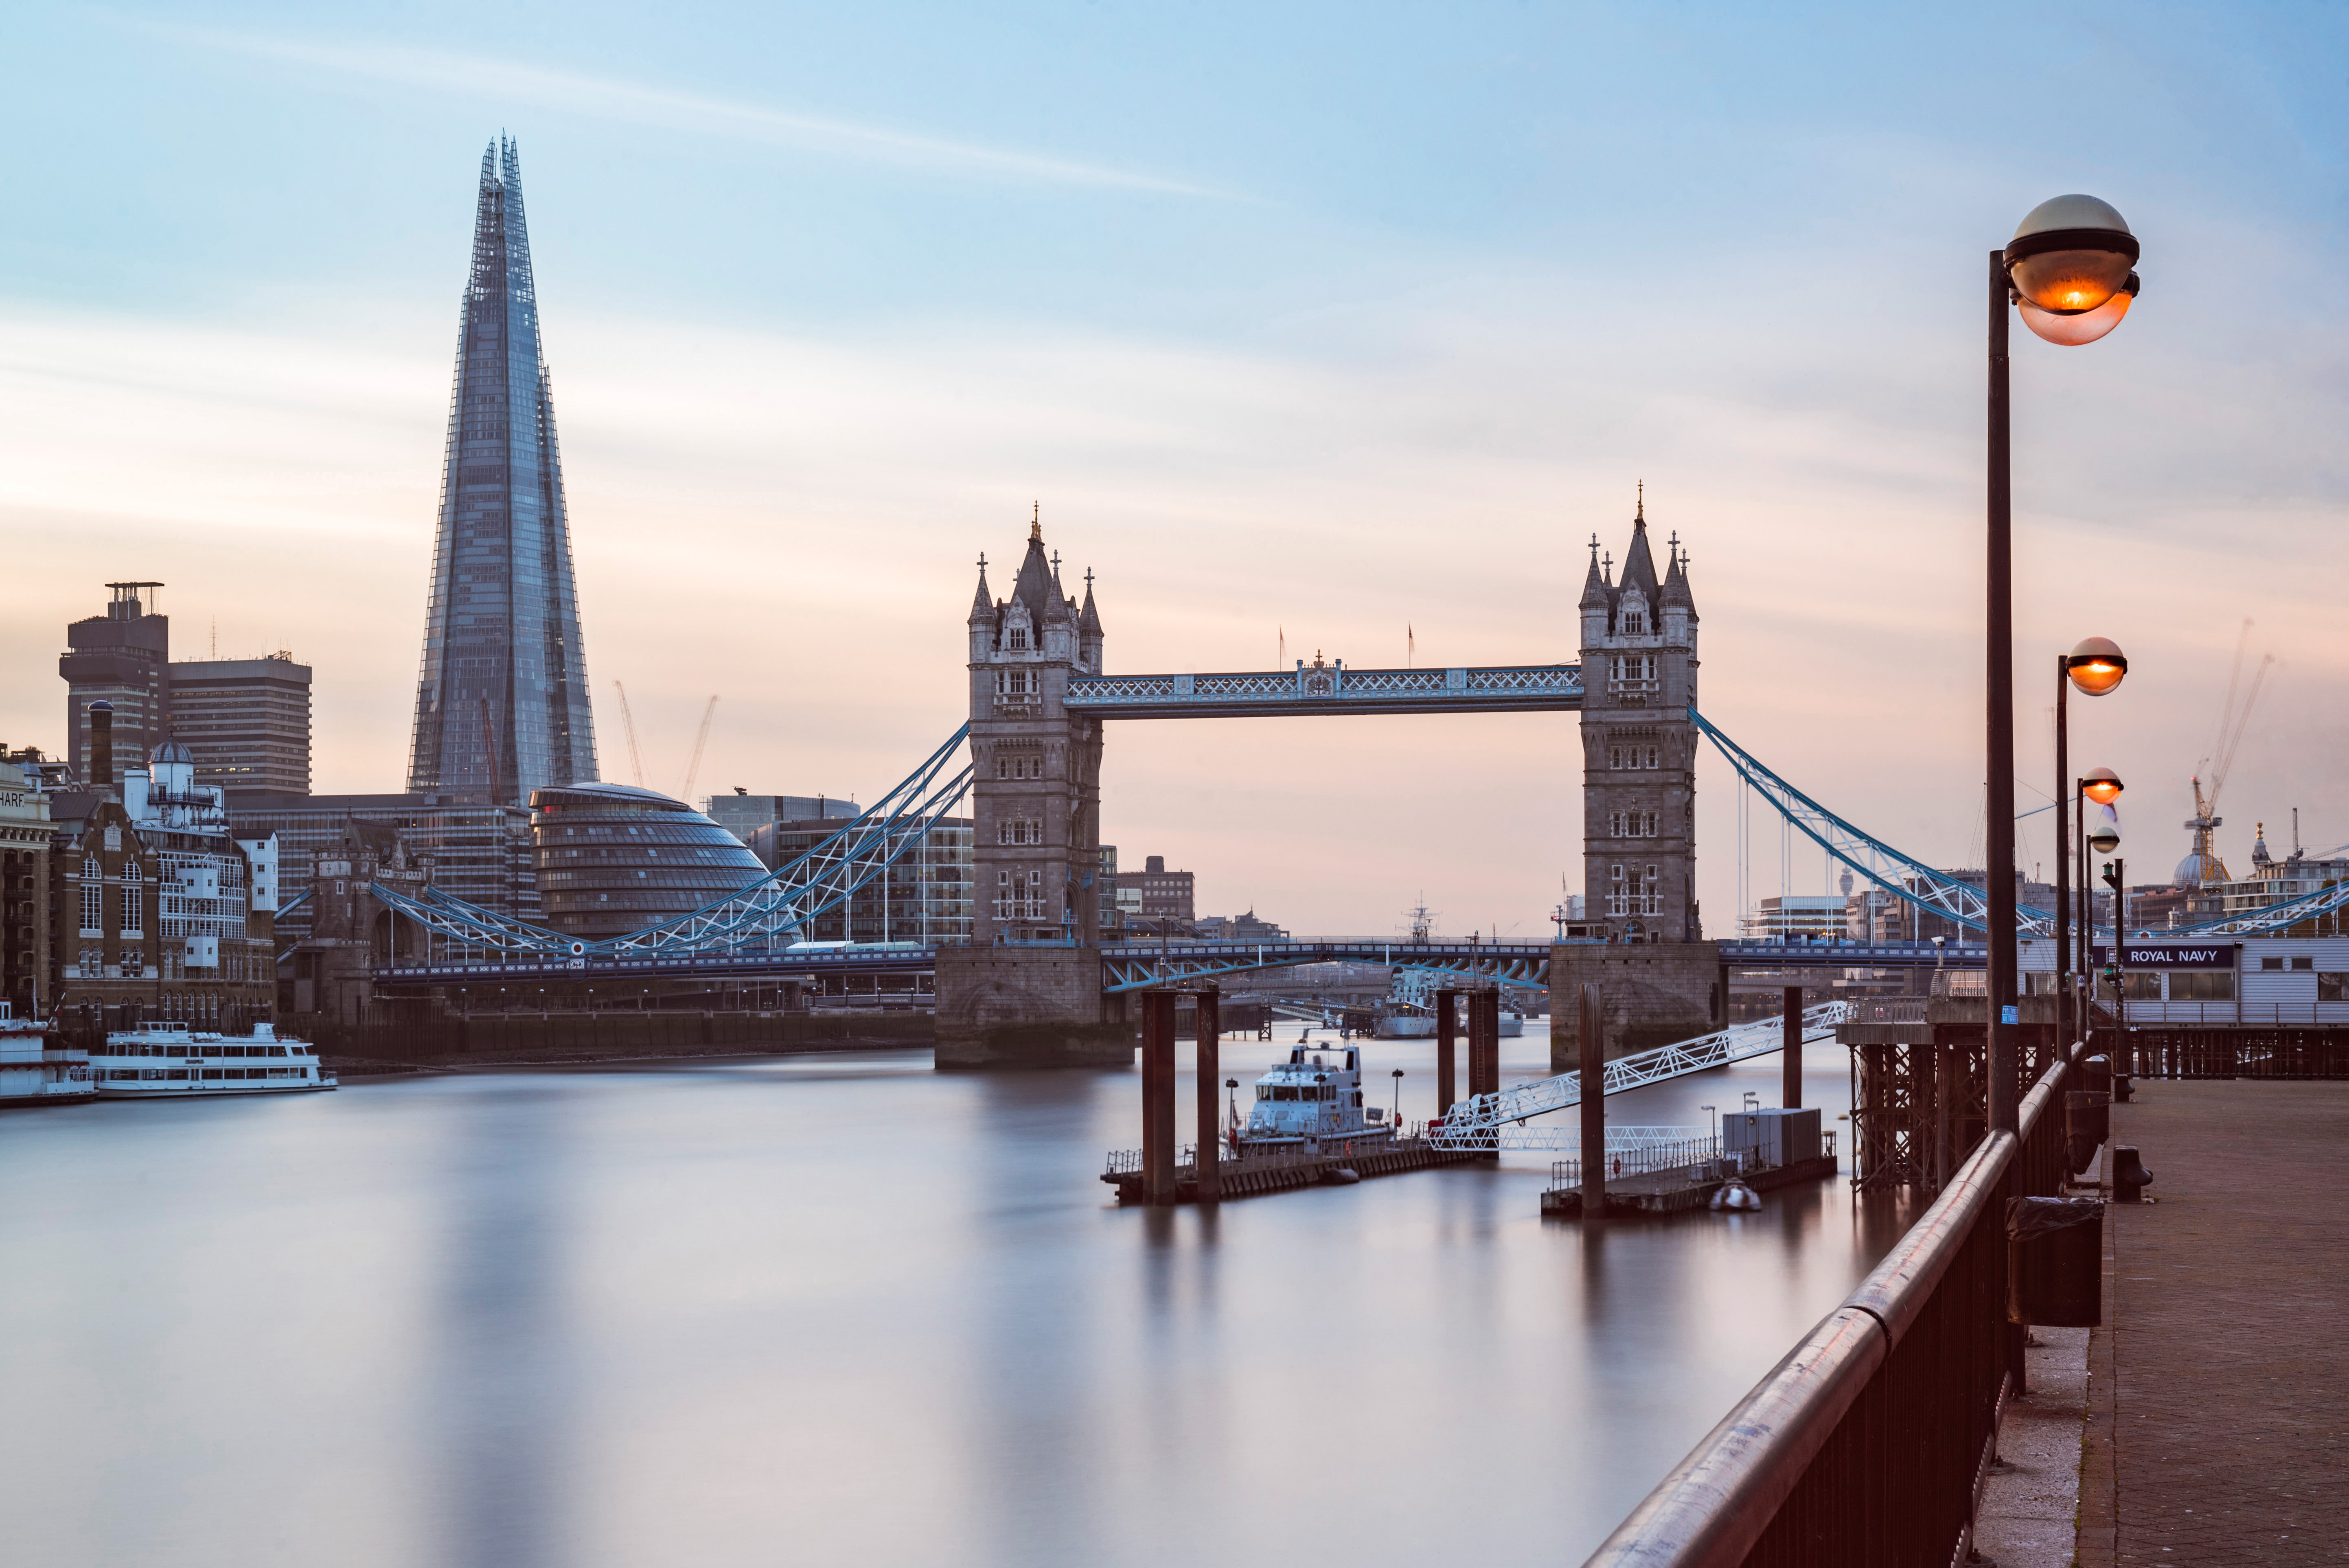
[(2101, 786), (2096, 666), (1398, 1101), (2068, 269)]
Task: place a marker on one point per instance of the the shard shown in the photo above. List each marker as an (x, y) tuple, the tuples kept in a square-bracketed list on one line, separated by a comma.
[(502, 703)]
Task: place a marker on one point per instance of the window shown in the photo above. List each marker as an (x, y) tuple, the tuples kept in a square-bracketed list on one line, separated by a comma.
[(1018, 638), (2331, 986), (2271, 962), (2202, 985), (2303, 964), (134, 902), (1652, 757), (93, 896), (1615, 756), (2140, 986)]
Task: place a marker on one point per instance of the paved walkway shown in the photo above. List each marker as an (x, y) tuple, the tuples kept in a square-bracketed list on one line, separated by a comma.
[(2218, 1426)]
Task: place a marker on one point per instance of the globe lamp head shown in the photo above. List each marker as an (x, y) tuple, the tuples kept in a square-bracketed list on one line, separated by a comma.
[(2096, 666), (2072, 331), (2103, 786), (2070, 257)]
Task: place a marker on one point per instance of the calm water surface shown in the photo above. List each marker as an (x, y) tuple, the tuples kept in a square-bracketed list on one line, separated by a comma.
[(843, 1310)]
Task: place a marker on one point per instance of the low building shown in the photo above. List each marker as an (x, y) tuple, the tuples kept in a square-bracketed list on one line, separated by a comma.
[(247, 720), (1237, 928), (154, 913), (1798, 917), (25, 834)]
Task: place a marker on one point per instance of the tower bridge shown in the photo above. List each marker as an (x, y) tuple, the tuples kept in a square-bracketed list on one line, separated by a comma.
[(1035, 985)]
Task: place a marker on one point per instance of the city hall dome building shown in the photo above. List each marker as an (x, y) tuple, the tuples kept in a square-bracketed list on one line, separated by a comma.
[(612, 858)]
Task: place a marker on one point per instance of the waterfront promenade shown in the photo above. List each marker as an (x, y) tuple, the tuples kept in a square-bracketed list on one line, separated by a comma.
[(2218, 1392)]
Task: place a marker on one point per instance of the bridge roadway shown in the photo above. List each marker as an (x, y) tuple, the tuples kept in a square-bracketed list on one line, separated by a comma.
[(1140, 965), (1329, 688)]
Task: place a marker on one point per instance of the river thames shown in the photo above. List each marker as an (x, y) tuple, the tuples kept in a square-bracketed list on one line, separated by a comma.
[(846, 1308)]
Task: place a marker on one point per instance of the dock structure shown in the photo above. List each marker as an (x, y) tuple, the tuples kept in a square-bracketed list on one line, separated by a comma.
[(1231, 1178), (1675, 1190)]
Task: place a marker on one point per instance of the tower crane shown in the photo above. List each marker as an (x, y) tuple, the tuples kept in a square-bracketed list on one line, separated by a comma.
[(629, 723), (2220, 759), (693, 769)]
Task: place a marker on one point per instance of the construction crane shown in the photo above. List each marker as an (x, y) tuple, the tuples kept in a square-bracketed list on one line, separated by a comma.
[(629, 723), (693, 769), (2220, 760)]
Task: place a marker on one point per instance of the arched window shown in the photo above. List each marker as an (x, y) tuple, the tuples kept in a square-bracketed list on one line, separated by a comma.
[(93, 896), (1615, 756), (1652, 757), (134, 901)]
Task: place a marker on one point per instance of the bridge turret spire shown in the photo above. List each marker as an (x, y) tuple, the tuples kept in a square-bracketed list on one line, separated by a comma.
[(1594, 586), (982, 607)]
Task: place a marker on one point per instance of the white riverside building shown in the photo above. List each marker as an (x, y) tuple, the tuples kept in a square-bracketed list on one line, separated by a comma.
[(2173, 978)]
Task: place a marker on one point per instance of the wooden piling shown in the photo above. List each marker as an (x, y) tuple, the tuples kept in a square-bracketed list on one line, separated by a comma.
[(1210, 1132), (1158, 1096), (1592, 1061), (1447, 1023), (1791, 1054)]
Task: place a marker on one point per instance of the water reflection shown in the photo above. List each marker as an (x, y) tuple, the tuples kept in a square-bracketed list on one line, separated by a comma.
[(501, 1400), (833, 1309)]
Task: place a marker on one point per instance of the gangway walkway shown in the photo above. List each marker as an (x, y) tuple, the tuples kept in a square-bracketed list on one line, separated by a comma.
[(1485, 1123)]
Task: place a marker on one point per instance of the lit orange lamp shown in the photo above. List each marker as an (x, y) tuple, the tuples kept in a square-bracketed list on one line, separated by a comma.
[(2096, 666), (2071, 262), (2103, 786)]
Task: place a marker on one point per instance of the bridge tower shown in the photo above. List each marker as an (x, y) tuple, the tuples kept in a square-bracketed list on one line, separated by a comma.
[(1660, 980), (1027, 991), (1639, 746)]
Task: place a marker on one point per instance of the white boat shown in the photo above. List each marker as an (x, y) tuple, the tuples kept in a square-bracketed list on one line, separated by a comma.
[(33, 1074), (1391, 1026), (1312, 1103), (170, 1061), (1512, 1025)]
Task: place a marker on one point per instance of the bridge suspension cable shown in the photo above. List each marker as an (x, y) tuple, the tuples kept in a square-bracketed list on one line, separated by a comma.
[(1932, 890)]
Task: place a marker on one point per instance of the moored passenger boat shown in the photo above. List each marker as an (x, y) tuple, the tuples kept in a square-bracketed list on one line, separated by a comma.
[(1312, 1103), (168, 1061), (31, 1072)]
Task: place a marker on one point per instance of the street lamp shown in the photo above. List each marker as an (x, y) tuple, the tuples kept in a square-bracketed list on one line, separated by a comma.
[(2096, 665), (1398, 1101), (2102, 786), (2071, 260)]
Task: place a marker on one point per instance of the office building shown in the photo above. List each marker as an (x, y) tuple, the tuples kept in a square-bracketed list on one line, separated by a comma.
[(476, 851), (247, 721), (743, 813), (925, 896), (502, 705), (1154, 896), (121, 658)]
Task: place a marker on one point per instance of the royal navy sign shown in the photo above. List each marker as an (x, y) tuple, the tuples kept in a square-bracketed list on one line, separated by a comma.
[(2158, 955)]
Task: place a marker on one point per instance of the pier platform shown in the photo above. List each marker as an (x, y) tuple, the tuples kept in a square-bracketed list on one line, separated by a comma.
[(1676, 1191), (1279, 1172)]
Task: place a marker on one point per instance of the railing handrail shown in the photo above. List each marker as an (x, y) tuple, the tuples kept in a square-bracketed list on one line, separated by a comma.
[(1717, 1503)]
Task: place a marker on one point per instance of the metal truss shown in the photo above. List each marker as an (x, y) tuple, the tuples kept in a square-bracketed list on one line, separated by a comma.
[(1486, 1122), (1143, 966), (1333, 689), (1913, 880), (2275, 919), (761, 918)]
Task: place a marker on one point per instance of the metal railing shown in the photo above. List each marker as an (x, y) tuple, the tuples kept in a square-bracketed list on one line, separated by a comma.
[(1867, 1445)]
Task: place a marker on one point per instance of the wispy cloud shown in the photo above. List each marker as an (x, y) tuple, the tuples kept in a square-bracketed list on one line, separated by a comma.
[(621, 100)]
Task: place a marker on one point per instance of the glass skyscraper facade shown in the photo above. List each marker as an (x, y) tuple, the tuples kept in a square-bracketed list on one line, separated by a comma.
[(501, 701)]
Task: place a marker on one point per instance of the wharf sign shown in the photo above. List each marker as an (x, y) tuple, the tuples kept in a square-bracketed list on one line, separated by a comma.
[(2205, 955)]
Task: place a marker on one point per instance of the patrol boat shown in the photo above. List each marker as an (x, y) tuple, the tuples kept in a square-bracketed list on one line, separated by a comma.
[(1313, 1104), (170, 1061)]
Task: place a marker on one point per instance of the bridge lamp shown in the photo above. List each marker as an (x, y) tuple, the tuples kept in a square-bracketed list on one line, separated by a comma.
[(2070, 271), (2096, 666), (2071, 267)]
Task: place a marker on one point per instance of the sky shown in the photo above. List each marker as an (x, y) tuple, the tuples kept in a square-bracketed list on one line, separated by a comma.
[(1309, 323)]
